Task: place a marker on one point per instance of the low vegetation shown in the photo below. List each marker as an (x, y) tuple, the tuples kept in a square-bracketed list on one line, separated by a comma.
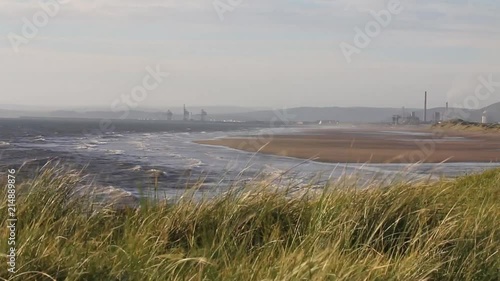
[(459, 124), (445, 230)]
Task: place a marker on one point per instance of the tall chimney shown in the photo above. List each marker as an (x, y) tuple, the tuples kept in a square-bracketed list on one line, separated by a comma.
[(425, 108)]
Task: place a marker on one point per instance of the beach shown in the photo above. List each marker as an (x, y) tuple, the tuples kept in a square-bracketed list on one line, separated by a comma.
[(374, 145)]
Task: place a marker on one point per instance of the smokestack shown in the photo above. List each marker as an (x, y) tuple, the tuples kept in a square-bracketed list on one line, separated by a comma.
[(445, 117), (425, 108)]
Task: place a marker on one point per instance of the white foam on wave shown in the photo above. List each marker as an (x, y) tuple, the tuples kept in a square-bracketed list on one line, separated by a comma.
[(173, 155), (139, 144), (112, 196), (156, 172), (112, 136), (115, 151), (135, 168), (96, 142), (86, 146), (192, 163), (4, 144), (39, 138), (89, 144)]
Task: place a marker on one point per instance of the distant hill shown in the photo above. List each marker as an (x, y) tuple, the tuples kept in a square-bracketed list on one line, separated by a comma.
[(493, 112), (342, 114), (14, 111), (308, 114), (347, 114), (359, 114)]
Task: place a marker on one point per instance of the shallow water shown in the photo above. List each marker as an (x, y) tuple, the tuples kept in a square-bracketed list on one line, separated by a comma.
[(137, 162)]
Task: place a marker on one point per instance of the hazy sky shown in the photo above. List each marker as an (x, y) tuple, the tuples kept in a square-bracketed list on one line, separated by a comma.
[(272, 53)]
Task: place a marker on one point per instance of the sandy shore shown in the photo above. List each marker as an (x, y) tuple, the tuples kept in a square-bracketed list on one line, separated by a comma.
[(374, 145)]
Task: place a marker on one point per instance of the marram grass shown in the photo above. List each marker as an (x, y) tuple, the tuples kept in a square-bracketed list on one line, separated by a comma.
[(445, 230)]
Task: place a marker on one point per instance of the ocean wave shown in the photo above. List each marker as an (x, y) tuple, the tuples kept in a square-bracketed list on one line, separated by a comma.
[(112, 136), (114, 197), (39, 139), (192, 163), (4, 144), (86, 146), (135, 168), (173, 155), (156, 172), (96, 142), (115, 151), (139, 144)]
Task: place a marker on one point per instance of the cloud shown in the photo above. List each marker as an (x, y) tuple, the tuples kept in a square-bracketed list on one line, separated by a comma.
[(264, 51)]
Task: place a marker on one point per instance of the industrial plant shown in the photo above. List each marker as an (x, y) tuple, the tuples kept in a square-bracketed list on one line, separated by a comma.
[(489, 116), (187, 115)]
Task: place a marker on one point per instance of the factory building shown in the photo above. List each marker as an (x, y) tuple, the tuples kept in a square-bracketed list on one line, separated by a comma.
[(490, 116), (187, 114)]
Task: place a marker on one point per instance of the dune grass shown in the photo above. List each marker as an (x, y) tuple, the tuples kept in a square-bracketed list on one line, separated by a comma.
[(461, 125), (446, 230)]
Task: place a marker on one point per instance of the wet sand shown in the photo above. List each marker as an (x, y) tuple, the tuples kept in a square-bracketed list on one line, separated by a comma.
[(374, 145)]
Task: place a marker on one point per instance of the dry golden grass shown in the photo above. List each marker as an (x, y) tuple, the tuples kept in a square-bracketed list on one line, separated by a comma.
[(446, 230)]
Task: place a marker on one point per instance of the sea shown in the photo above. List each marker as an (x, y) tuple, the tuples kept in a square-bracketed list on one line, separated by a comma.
[(138, 156)]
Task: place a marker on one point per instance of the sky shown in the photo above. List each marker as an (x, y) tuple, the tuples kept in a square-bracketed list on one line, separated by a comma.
[(255, 53)]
